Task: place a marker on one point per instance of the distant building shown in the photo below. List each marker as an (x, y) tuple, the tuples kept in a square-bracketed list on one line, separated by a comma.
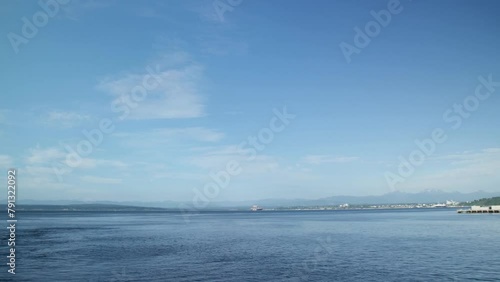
[(255, 208)]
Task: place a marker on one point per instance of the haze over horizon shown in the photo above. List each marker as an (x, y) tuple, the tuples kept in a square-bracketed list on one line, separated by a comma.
[(133, 103)]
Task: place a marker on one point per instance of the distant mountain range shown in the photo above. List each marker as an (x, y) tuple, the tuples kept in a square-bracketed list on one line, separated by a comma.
[(428, 196), (86, 207)]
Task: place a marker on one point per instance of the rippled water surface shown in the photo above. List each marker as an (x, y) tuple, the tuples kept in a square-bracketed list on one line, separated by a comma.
[(391, 245)]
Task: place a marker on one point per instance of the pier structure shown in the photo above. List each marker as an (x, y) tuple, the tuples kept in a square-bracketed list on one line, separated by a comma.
[(479, 209)]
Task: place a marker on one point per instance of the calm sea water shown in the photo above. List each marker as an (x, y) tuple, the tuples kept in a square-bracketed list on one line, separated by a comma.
[(402, 245)]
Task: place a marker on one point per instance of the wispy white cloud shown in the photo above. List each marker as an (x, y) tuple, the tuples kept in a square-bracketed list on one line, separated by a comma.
[(477, 163), (65, 119), (6, 161), (465, 171), (39, 171), (471, 157), (93, 163), (194, 133), (147, 139), (54, 156), (40, 180), (100, 180), (40, 155), (38, 168), (216, 158), (176, 96), (176, 175), (322, 159)]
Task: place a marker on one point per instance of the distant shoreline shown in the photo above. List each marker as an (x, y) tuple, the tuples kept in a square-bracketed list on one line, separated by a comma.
[(119, 208)]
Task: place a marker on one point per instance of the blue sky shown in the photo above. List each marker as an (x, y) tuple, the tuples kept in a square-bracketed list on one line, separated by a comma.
[(221, 79)]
